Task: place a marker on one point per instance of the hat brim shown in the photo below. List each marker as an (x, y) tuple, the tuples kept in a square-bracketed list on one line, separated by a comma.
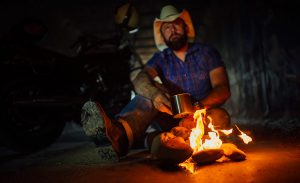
[(185, 16)]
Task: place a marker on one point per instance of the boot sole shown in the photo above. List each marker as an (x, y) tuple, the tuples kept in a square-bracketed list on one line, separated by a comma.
[(107, 154), (92, 122)]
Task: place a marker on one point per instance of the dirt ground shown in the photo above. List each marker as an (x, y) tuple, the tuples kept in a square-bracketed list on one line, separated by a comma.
[(73, 158)]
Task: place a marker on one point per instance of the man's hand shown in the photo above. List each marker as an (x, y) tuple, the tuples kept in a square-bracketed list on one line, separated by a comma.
[(154, 91), (161, 102)]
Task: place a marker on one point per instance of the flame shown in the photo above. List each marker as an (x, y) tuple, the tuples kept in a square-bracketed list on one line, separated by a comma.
[(246, 139), (188, 165), (198, 132), (212, 142), (195, 139), (226, 132)]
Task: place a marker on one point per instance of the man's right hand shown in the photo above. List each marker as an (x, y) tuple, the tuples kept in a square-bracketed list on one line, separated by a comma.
[(161, 102), (154, 91)]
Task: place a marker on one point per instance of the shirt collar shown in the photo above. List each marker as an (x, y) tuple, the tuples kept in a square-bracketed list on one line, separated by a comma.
[(192, 48)]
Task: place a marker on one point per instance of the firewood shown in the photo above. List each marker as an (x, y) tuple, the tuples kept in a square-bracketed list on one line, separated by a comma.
[(179, 131), (170, 149), (207, 156), (232, 152)]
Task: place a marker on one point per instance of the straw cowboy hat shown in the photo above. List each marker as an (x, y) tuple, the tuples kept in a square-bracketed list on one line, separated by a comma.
[(168, 14)]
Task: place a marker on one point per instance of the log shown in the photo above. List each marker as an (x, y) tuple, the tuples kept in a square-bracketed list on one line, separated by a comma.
[(170, 149), (232, 152), (207, 156), (179, 131)]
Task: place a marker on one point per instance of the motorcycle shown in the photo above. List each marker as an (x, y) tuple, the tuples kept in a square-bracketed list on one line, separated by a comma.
[(42, 90)]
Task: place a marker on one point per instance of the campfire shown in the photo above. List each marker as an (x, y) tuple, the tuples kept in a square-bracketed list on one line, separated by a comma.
[(208, 147)]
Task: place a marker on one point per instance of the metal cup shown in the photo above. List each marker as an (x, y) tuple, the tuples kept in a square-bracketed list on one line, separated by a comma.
[(182, 105)]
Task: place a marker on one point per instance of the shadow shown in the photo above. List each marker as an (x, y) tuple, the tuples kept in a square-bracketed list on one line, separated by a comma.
[(143, 157), (169, 167)]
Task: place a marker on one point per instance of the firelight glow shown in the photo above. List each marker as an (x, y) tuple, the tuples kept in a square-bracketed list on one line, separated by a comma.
[(198, 132), (226, 132), (211, 142)]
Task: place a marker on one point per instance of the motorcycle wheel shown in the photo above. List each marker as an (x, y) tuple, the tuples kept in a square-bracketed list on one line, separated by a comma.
[(26, 129)]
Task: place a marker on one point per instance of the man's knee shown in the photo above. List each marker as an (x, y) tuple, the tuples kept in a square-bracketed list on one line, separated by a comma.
[(220, 117)]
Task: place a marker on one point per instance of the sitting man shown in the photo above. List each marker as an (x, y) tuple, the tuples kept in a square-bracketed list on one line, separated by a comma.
[(181, 66)]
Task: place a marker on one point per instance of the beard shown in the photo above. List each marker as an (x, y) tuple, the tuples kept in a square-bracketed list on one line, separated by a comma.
[(176, 41)]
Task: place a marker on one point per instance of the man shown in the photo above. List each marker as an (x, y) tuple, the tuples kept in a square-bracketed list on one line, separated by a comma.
[(181, 66)]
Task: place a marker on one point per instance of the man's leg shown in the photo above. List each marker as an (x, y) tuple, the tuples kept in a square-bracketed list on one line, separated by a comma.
[(162, 122), (128, 126)]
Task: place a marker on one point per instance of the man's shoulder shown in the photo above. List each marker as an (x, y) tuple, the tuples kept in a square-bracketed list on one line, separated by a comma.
[(158, 56), (163, 53)]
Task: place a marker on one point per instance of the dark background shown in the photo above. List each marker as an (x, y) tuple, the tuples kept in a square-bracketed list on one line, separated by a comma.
[(258, 41)]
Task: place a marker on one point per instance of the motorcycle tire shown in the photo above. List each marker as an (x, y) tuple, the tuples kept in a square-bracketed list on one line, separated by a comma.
[(26, 129)]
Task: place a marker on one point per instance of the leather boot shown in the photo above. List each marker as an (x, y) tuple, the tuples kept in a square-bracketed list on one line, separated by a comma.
[(116, 134)]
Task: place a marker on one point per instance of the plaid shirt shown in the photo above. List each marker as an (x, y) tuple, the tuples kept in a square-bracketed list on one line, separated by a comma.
[(190, 76)]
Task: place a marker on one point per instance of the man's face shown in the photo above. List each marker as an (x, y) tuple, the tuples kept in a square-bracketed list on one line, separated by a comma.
[(174, 34)]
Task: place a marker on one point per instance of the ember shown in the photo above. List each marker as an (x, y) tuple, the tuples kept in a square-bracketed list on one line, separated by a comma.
[(209, 148)]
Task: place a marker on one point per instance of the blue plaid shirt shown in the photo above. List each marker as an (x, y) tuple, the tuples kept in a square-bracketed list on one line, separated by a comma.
[(190, 76)]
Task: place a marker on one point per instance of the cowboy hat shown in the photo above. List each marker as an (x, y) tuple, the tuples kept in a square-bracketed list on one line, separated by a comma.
[(168, 14)]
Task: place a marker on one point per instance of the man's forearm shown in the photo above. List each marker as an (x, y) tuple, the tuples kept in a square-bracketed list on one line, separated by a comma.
[(144, 86), (216, 97)]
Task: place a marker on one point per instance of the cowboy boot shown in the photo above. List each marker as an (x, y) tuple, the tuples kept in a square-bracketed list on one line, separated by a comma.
[(130, 125), (116, 134), (104, 131), (93, 121)]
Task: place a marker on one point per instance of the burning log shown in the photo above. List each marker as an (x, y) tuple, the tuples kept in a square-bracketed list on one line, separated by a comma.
[(206, 143), (207, 156), (196, 141), (232, 152)]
